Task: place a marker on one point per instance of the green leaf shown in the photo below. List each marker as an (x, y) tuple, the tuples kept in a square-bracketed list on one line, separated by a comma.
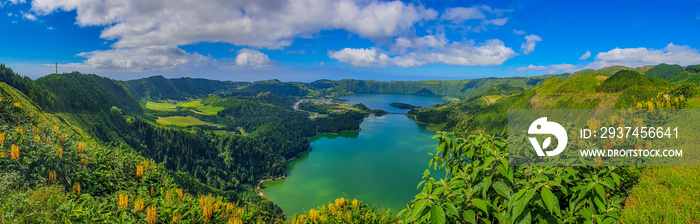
[(418, 208), (601, 192), (548, 198), (502, 189), (521, 203), (469, 216), (481, 204), (451, 209), (599, 204), (437, 215), (616, 178)]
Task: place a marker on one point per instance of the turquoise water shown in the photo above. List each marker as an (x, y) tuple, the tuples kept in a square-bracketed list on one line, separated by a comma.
[(382, 164)]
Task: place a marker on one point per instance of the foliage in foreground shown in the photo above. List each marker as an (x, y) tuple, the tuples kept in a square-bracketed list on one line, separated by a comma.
[(480, 187), (344, 211), (49, 176)]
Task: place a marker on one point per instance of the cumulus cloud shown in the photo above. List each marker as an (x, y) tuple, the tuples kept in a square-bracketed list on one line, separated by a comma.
[(641, 56), (461, 14), (585, 55), (630, 57), (29, 16), (430, 49), (530, 42), (251, 58), (550, 69), (531, 67), (142, 59), (268, 24)]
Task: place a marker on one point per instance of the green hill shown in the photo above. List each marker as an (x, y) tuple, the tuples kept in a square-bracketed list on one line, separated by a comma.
[(592, 91), (77, 92), (160, 88), (671, 73)]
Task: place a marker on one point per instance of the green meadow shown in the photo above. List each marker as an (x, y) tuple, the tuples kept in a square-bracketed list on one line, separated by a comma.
[(180, 121)]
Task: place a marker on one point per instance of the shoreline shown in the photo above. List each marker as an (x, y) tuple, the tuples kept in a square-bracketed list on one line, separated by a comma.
[(260, 186)]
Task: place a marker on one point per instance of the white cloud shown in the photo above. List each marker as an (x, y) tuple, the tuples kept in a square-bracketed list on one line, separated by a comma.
[(585, 55), (531, 68), (563, 68), (142, 59), (251, 58), (497, 22), (518, 32), (530, 42), (629, 57), (29, 16), (550, 69), (269, 24), (17, 1), (430, 49), (461, 14), (636, 57)]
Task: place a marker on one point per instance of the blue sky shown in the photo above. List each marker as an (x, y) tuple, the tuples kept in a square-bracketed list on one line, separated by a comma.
[(305, 40)]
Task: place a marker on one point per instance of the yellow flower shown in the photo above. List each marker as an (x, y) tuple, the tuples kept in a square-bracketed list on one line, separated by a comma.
[(313, 215), (207, 203), (179, 195), (340, 202), (177, 217), (14, 152), (2, 154), (81, 146), (52, 176), (355, 203), (76, 188), (0, 99), (37, 137), (138, 204), (235, 220), (2, 138), (16, 104), (59, 152), (139, 171), (20, 131), (123, 201), (206, 212), (55, 129), (151, 214)]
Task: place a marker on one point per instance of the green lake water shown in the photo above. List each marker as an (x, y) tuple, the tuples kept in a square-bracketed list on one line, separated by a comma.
[(381, 165)]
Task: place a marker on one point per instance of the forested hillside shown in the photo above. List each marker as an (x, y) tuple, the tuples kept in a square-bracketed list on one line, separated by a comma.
[(159, 88), (624, 89)]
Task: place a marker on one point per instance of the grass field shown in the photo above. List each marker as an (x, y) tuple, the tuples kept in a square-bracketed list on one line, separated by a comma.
[(195, 105), (162, 106), (665, 195), (180, 121), (693, 103), (436, 127)]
